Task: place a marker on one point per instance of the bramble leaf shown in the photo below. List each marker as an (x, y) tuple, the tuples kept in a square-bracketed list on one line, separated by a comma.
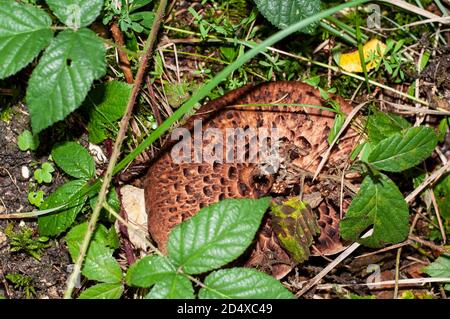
[(55, 223), (106, 104), (440, 268), (76, 234), (217, 235), (25, 30), (149, 270), (100, 265), (172, 287), (283, 13), (403, 150), (74, 160), (381, 125), (76, 13), (103, 291), (63, 77), (442, 193), (243, 283), (380, 204)]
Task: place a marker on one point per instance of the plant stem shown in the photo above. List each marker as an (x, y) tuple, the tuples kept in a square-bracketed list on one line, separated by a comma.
[(341, 34), (148, 49)]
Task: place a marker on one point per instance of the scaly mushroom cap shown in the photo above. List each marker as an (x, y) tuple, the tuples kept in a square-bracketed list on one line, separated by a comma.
[(175, 192)]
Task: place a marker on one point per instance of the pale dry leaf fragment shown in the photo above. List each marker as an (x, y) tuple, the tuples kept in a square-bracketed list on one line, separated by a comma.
[(134, 204), (373, 51), (2, 239)]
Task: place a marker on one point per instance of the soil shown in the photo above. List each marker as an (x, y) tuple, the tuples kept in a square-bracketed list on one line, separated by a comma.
[(50, 273)]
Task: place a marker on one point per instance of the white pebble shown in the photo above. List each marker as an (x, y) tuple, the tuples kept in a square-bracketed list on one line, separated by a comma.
[(25, 172)]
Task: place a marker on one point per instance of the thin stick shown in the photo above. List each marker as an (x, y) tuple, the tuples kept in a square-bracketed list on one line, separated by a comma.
[(429, 244), (397, 272), (401, 282), (343, 128), (148, 49), (438, 216), (331, 265), (429, 180)]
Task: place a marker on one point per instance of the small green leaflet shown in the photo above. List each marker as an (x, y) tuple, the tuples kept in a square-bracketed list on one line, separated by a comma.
[(44, 174), (74, 160), (25, 30), (381, 125), (172, 287), (69, 193), (378, 203), (75, 237), (243, 283), (403, 150), (160, 272), (100, 265), (217, 235), (337, 126), (442, 193), (440, 268), (76, 13), (149, 271), (103, 291), (283, 13), (63, 77), (27, 141), (105, 105)]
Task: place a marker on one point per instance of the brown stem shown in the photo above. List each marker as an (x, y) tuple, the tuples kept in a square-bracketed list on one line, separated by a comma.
[(123, 57), (148, 49)]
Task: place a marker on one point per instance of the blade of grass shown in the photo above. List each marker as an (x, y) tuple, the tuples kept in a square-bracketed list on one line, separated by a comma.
[(206, 89), (338, 33), (361, 53)]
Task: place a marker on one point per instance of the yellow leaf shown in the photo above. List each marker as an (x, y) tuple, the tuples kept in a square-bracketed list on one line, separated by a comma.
[(373, 51)]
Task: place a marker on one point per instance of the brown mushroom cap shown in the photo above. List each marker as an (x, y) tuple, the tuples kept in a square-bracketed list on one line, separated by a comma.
[(175, 192)]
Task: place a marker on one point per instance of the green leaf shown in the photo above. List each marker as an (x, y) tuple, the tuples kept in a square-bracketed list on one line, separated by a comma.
[(442, 129), (243, 283), (27, 141), (172, 287), (103, 291), (137, 4), (283, 13), (55, 223), (106, 105), (378, 203), (442, 193), (217, 235), (382, 125), (403, 150), (100, 265), (112, 199), (74, 160), (149, 270), (63, 77), (75, 236), (36, 198), (76, 13), (25, 30), (337, 125), (112, 239), (44, 174), (440, 268)]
